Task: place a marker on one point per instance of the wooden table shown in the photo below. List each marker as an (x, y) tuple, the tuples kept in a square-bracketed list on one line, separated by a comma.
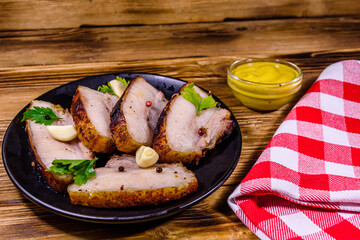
[(46, 44)]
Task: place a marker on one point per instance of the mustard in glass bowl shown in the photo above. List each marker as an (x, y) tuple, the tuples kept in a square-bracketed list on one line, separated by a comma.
[(264, 84)]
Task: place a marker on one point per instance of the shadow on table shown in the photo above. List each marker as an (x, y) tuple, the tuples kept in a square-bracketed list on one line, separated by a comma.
[(89, 230)]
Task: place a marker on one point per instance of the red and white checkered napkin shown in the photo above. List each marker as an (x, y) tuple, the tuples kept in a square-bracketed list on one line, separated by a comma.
[(306, 183)]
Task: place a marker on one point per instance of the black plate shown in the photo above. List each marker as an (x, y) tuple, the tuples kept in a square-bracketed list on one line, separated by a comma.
[(211, 172)]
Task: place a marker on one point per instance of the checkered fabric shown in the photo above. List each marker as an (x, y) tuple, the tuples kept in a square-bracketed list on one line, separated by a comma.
[(306, 183)]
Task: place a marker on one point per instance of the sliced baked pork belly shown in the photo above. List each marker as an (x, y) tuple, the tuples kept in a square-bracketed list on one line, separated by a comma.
[(46, 149), (135, 115), (91, 112), (183, 136), (121, 183)]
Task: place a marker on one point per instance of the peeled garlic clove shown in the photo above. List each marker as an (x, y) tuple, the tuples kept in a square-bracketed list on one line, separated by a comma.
[(117, 87), (62, 133), (146, 157)]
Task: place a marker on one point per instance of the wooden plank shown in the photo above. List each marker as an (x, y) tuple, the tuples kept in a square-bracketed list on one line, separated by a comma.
[(37, 14), (172, 50), (22, 219), (119, 44), (209, 72)]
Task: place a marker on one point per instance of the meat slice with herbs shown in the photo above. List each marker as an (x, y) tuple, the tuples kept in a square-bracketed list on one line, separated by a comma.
[(46, 149), (184, 136), (91, 112), (135, 115), (121, 183)]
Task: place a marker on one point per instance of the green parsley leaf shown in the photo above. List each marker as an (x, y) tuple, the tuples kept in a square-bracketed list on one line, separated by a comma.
[(40, 115), (207, 102), (192, 96), (84, 174), (106, 89), (82, 169), (122, 80)]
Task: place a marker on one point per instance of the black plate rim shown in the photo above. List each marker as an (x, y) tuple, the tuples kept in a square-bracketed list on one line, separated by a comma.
[(116, 220)]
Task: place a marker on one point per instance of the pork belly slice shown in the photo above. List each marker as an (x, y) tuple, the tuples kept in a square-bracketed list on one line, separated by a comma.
[(132, 121), (46, 149), (91, 112), (177, 137), (134, 186)]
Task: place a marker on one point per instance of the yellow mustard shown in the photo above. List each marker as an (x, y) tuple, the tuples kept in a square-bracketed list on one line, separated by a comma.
[(265, 72), (264, 84)]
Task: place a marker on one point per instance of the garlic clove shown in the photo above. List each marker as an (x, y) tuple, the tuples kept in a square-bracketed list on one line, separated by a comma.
[(146, 157), (117, 87), (62, 133)]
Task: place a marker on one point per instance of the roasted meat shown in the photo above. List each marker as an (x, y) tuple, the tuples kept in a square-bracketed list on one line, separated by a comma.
[(46, 149), (182, 136), (121, 183), (135, 115), (91, 112)]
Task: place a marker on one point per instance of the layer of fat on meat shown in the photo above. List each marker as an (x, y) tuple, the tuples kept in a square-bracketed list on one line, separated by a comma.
[(183, 124), (135, 178), (215, 121), (47, 148), (98, 107), (140, 119), (158, 103), (126, 160)]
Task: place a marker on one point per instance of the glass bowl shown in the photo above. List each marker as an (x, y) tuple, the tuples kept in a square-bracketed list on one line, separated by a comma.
[(264, 96)]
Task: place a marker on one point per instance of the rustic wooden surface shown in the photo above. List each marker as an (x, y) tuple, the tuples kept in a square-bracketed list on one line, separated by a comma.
[(44, 44), (39, 14)]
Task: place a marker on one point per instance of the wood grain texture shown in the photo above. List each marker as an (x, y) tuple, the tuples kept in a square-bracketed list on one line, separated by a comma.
[(210, 219), (37, 14), (45, 44), (118, 44)]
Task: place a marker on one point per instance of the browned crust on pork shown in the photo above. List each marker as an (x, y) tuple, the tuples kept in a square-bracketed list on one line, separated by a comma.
[(55, 181), (128, 198), (118, 127), (160, 143), (87, 133)]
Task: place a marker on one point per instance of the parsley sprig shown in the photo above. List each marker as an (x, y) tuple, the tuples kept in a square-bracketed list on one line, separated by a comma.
[(82, 169), (107, 88), (192, 96), (122, 80), (40, 115)]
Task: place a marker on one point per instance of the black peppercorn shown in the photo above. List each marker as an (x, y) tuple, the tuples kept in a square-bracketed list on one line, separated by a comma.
[(47, 117), (158, 169), (121, 169)]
